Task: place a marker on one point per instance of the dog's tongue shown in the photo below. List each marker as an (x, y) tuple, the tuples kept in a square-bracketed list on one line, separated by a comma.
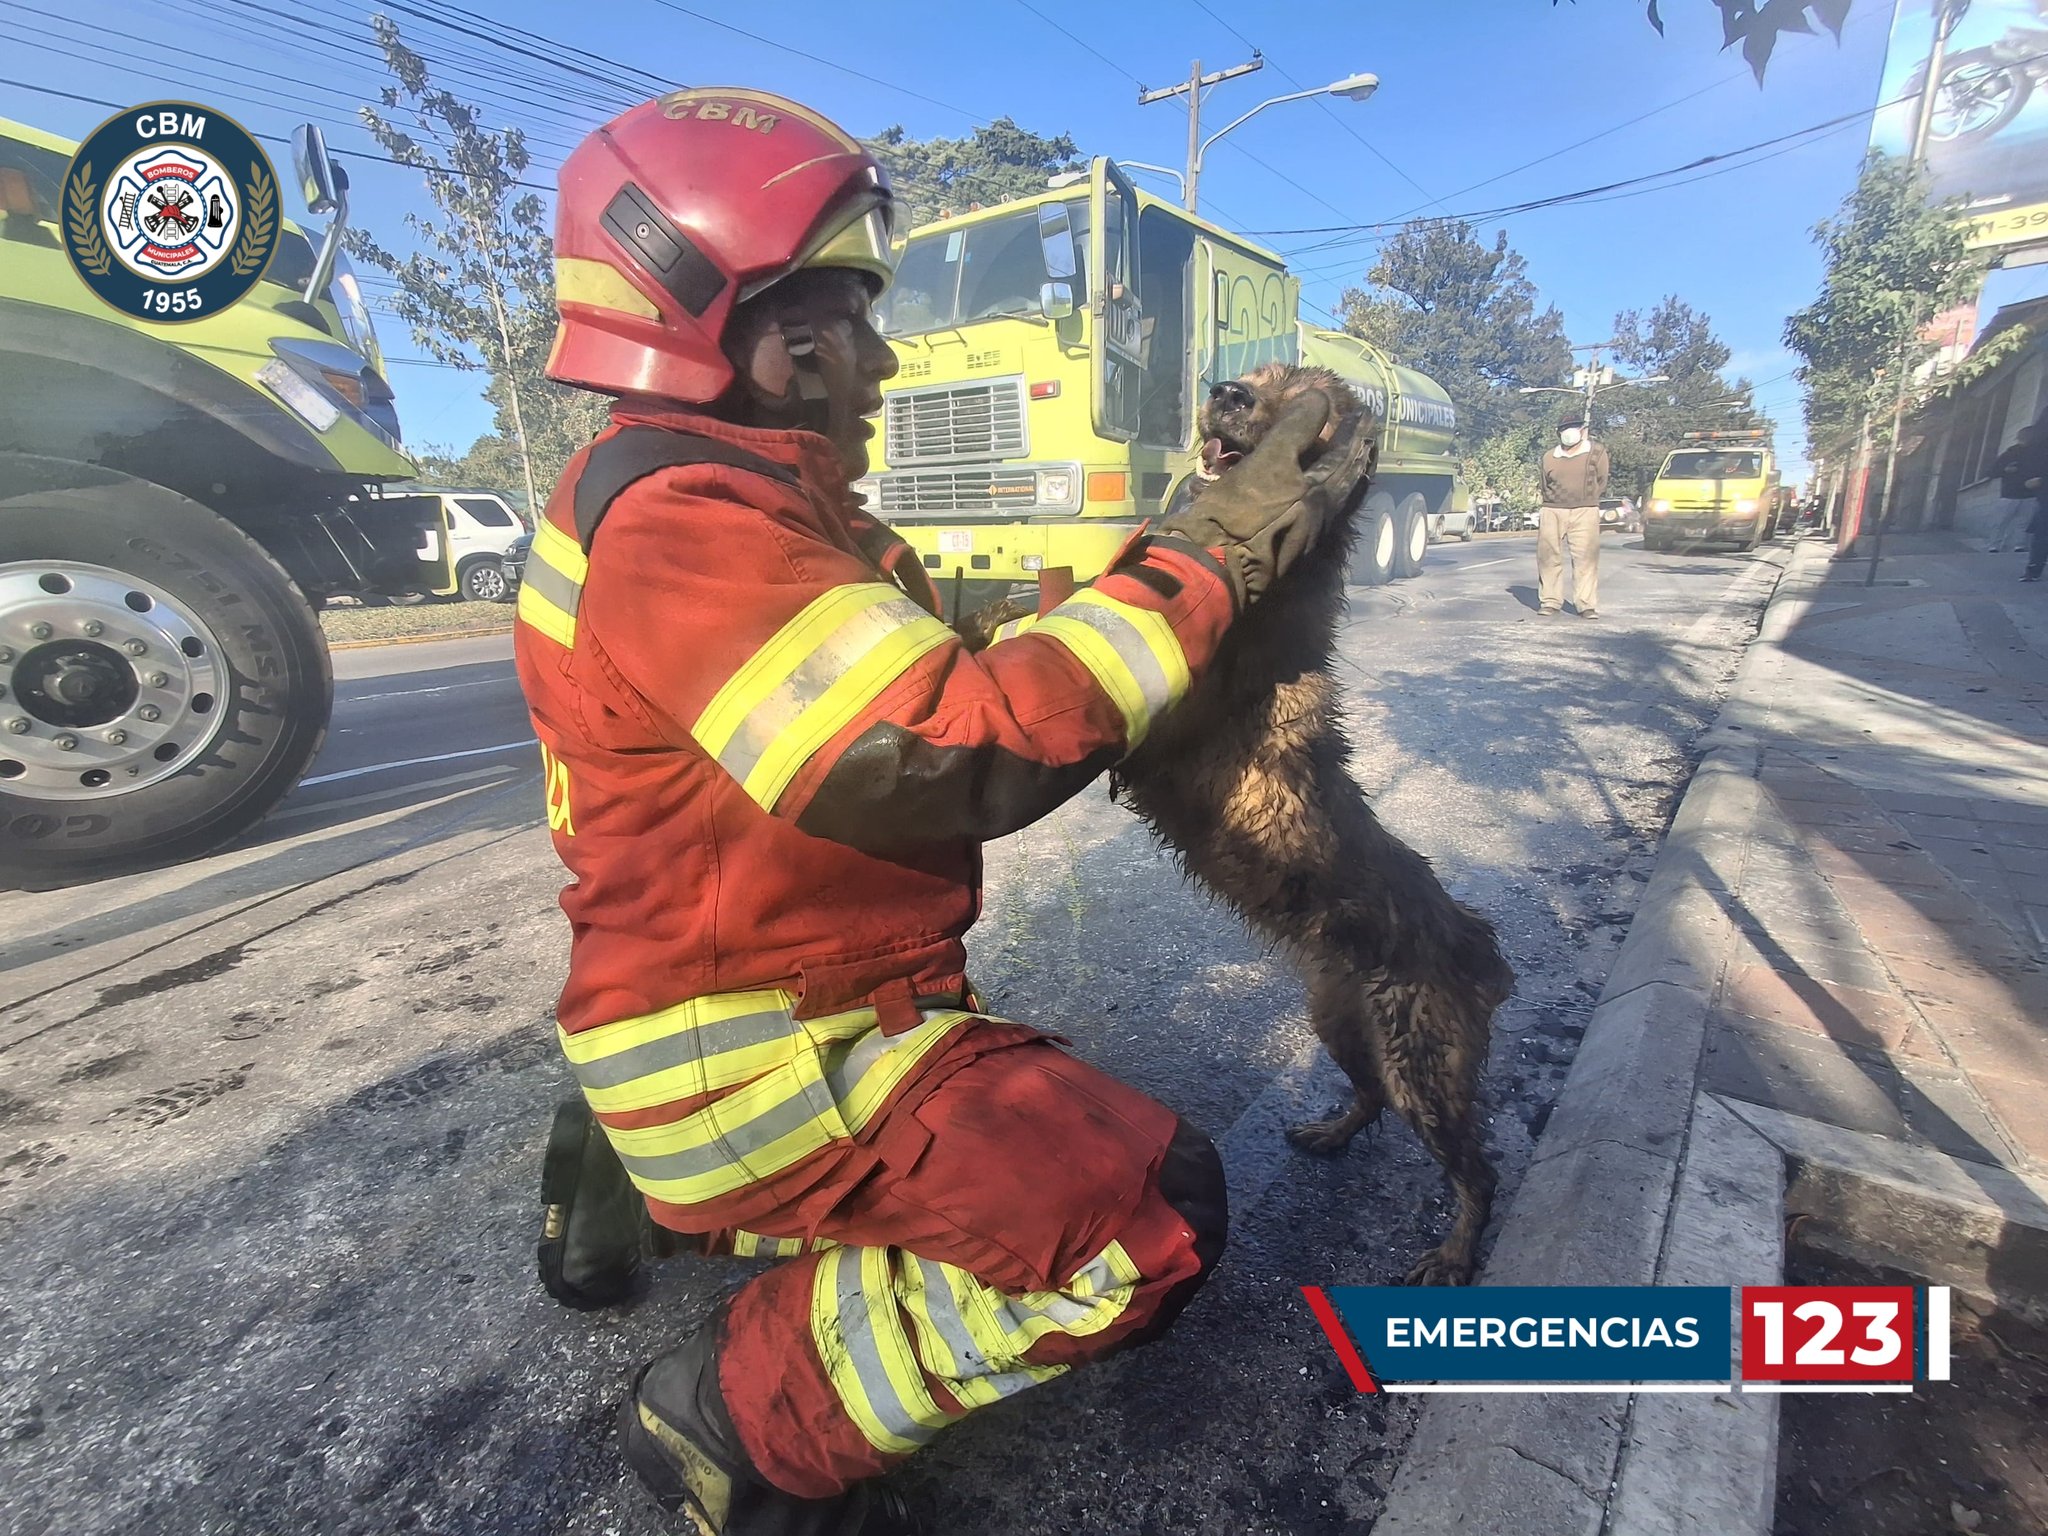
[(1216, 458)]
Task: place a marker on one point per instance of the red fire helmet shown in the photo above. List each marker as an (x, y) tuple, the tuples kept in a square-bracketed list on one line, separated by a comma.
[(681, 208)]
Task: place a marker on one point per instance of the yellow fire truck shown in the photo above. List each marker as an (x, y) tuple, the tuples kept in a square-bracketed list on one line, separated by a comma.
[(1054, 352)]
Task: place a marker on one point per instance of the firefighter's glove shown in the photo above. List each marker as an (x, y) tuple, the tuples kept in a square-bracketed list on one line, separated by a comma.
[(1269, 511)]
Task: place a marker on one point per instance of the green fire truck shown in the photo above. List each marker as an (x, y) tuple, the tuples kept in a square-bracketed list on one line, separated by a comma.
[(174, 500)]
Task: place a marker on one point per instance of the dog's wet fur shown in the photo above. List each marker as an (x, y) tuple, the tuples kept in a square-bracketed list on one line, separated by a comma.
[(1247, 780)]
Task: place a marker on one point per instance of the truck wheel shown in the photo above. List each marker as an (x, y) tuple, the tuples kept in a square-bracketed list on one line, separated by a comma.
[(166, 682), (1374, 553), (1412, 541), (482, 581)]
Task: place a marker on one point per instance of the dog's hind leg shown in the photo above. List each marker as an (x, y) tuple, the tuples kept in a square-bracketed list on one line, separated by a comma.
[(1431, 1047), (1336, 1010)]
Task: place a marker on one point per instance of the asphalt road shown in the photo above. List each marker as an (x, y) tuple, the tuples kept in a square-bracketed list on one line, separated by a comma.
[(270, 1123)]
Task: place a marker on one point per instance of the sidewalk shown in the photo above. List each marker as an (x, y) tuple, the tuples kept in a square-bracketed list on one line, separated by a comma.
[(1832, 1010)]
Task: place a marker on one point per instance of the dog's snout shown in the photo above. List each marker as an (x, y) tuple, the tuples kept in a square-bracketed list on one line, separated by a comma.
[(1232, 395)]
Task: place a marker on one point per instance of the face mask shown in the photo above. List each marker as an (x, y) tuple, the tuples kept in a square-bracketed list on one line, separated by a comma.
[(1570, 436)]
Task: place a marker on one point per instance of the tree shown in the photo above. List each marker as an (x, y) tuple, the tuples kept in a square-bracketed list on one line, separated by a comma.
[(1466, 314), (479, 290), (1640, 425), (933, 178), (1894, 262), (1756, 24)]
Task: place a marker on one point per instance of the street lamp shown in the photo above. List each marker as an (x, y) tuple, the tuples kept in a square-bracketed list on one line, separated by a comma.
[(1179, 179), (1351, 88), (1593, 387)]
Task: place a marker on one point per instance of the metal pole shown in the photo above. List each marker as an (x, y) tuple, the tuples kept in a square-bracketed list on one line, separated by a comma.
[(1946, 15), (1194, 132)]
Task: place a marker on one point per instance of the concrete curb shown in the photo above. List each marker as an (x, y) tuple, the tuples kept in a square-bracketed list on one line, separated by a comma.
[(1637, 1179), (439, 634)]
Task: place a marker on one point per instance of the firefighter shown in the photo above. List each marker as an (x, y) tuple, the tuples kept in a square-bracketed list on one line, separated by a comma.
[(769, 768)]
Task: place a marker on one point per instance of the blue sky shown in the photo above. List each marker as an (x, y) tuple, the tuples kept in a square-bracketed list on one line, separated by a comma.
[(1472, 91)]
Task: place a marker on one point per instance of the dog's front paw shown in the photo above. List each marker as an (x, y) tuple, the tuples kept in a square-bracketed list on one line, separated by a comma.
[(1324, 1138), (1440, 1266)]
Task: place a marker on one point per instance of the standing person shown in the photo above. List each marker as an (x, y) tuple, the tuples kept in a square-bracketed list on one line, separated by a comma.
[(2033, 478), (770, 769), (1572, 479), (2018, 498)]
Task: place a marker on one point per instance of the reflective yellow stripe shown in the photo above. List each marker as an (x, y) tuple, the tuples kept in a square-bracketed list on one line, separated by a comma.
[(1007, 1326), (695, 1047), (1132, 652), (810, 680), (600, 285), (795, 1086), (961, 1332), (1013, 628), (551, 589), (865, 1073), (937, 1297), (756, 1245), (866, 1354)]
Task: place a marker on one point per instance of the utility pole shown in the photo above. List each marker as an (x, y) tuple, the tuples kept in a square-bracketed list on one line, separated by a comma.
[(1192, 88), (1947, 14)]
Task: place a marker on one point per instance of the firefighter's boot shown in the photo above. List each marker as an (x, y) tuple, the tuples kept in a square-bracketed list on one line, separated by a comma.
[(594, 1223), (681, 1441)]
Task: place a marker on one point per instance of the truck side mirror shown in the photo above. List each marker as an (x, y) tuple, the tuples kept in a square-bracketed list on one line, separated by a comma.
[(316, 170), (1056, 300), (1056, 240), (325, 187)]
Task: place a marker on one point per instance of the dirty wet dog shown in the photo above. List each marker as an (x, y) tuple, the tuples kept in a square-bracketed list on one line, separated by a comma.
[(1247, 781)]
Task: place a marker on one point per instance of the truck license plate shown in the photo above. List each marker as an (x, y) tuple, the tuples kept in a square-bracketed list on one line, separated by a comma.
[(955, 542)]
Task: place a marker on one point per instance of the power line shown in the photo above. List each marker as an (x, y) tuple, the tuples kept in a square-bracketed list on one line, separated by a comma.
[(274, 138), (1328, 111), (1585, 193), (263, 25), (1080, 42), (844, 69), (232, 70), (657, 81)]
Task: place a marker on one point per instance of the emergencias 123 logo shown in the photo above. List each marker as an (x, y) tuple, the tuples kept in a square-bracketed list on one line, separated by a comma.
[(170, 211)]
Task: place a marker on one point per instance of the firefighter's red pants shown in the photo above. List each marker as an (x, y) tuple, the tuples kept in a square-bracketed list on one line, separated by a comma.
[(1030, 1213)]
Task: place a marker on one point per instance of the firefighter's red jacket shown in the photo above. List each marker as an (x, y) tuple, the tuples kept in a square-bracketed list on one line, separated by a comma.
[(770, 768)]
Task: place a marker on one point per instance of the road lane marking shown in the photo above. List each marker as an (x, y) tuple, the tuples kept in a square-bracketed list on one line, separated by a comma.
[(414, 762), (409, 693), (1482, 564), (372, 796)]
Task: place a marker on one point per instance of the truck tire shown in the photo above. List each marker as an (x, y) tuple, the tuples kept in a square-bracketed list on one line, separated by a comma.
[(1411, 544), (1377, 547), (166, 681)]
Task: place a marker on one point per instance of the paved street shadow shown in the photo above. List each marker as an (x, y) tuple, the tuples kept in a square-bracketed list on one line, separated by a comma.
[(1525, 595), (319, 849)]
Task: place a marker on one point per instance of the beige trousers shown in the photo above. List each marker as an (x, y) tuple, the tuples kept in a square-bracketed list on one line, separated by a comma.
[(1576, 529)]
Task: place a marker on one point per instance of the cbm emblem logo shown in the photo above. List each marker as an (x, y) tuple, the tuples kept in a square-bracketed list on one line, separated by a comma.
[(170, 211)]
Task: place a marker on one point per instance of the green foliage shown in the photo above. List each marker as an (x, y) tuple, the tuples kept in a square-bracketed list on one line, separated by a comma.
[(1504, 465), (1894, 262), (478, 292), (1640, 424), (934, 178), (492, 462), (1466, 314), (1756, 24)]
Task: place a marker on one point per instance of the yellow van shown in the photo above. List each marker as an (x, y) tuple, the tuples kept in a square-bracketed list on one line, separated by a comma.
[(1718, 489)]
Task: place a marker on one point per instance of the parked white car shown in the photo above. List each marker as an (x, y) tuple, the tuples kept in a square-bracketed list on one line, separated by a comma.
[(479, 526), (1453, 523)]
